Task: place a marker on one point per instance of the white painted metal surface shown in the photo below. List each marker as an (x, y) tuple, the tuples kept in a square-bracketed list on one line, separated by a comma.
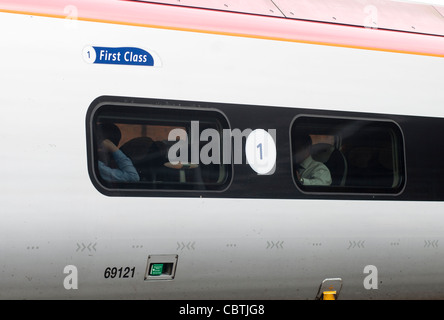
[(52, 216), (262, 7), (383, 14)]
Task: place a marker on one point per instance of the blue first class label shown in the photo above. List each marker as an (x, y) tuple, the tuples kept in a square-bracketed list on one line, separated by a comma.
[(121, 55)]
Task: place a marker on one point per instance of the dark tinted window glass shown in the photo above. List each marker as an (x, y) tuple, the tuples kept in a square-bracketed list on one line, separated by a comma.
[(155, 148), (347, 155)]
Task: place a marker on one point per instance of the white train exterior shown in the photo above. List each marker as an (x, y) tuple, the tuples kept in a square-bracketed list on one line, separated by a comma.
[(258, 236)]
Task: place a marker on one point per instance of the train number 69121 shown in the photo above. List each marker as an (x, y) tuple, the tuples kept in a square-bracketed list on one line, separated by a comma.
[(122, 272)]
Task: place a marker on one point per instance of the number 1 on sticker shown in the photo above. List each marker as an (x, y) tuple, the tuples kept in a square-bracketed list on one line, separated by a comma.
[(259, 146)]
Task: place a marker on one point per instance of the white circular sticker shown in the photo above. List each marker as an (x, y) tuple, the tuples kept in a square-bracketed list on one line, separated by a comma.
[(89, 54), (260, 150)]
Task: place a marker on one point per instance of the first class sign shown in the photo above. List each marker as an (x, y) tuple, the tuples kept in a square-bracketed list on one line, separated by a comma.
[(119, 56)]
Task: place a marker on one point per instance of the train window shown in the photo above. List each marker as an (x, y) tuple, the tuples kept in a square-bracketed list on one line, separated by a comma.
[(347, 155), (151, 147)]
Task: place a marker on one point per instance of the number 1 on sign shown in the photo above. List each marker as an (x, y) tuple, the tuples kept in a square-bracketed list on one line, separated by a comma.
[(260, 151), (259, 146)]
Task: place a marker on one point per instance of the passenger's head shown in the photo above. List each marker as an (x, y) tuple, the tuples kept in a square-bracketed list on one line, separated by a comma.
[(301, 147), (108, 131)]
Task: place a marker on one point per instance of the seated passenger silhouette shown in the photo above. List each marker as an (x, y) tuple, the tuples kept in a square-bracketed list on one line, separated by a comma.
[(308, 172), (114, 165)]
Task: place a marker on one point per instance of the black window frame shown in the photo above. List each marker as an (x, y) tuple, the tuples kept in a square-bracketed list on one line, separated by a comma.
[(172, 110), (244, 183)]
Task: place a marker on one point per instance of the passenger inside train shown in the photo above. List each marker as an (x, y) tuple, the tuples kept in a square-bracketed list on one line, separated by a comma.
[(113, 164)]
